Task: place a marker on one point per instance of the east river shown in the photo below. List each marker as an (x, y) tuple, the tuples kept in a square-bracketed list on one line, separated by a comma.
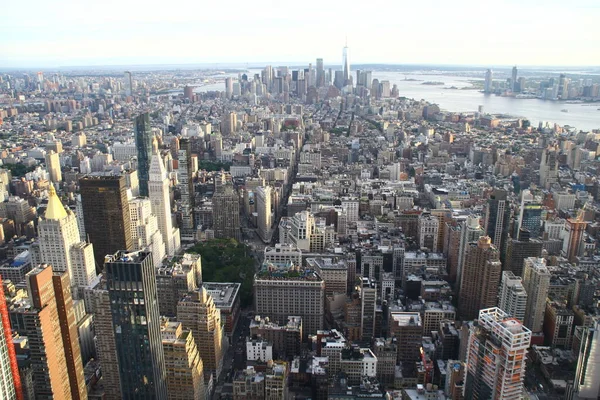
[(585, 116)]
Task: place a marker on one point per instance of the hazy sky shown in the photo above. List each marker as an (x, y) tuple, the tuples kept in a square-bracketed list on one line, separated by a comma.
[(42, 33)]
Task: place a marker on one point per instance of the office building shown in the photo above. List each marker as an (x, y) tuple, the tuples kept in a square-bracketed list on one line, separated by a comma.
[(334, 273), (145, 234), (558, 324), (264, 214), (470, 231), (587, 384), (248, 384), (226, 296), (226, 213), (60, 244), (183, 363), (186, 187), (175, 277), (536, 281), (407, 328), (10, 380), (198, 313), (429, 229), (143, 145), (276, 378), (514, 87), (280, 292), (480, 278), (513, 297), (356, 363), (320, 73), (368, 301), (138, 354), (104, 198), (52, 335), (159, 194), (520, 249), (346, 65), (282, 254), (530, 216), (496, 355), (549, 167), (497, 219), (53, 167), (489, 79), (573, 237)]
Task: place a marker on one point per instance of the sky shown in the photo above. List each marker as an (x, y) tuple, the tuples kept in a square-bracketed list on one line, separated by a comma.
[(46, 34)]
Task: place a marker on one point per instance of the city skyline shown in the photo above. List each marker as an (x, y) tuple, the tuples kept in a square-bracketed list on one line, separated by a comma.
[(128, 34)]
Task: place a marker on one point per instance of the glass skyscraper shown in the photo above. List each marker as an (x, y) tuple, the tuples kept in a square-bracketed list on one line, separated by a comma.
[(143, 144), (131, 287)]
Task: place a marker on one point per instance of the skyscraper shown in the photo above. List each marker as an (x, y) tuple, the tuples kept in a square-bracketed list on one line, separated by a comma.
[(53, 167), (518, 250), (184, 367), (263, 209), (513, 297), (133, 304), (198, 313), (489, 78), (128, 84), (144, 229), (53, 341), (480, 278), (320, 73), (497, 218), (158, 191), (549, 167), (106, 214), (226, 213), (346, 64), (587, 384), (186, 187), (513, 81), (471, 231), (496, 355), (10, 380), (530, 216), (572, 245), (143, 145), (536, 280)]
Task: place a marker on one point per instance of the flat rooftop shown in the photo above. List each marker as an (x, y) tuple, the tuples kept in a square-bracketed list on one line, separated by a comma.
[(224, 294)]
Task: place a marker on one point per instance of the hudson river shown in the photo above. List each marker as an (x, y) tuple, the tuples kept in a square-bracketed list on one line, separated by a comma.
[(582, 116)]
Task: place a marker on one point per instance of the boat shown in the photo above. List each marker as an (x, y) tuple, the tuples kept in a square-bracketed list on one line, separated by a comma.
[(564, 110)]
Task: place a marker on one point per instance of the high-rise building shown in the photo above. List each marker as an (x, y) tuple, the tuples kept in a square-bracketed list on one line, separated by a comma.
[(263, 209), (346, 65), (60, 244), (530, 216), (536, 280), (496, 355), (104, 199), (226, 213), (184, 367), (587, 384), (407, 328), (138, 353), (158, 191), (470, 231), (53, 167), (320, 73), (497, 219), (368, 300), (198, 313), (144, 229), (143, 145), (480, 278), (513, 297), (128, 84), (489, 78), (10, 380), (51, 331), (228, 87), (186, 187), (513, 81), (549, 167), (518, 250), (572, 245), (298, 292)]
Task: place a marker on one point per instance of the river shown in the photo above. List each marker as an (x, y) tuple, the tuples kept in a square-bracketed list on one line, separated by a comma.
[(582, 116)]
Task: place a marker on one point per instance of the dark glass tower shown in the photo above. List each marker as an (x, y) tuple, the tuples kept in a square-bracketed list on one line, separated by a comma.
[(143, 144), (131, 287), (106, 214), (497, 220)]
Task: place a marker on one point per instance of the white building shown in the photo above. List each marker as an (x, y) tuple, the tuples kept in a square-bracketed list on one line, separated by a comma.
[(264, 213), (259, 350), (513, 297), (158, 191), (144, 229)]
